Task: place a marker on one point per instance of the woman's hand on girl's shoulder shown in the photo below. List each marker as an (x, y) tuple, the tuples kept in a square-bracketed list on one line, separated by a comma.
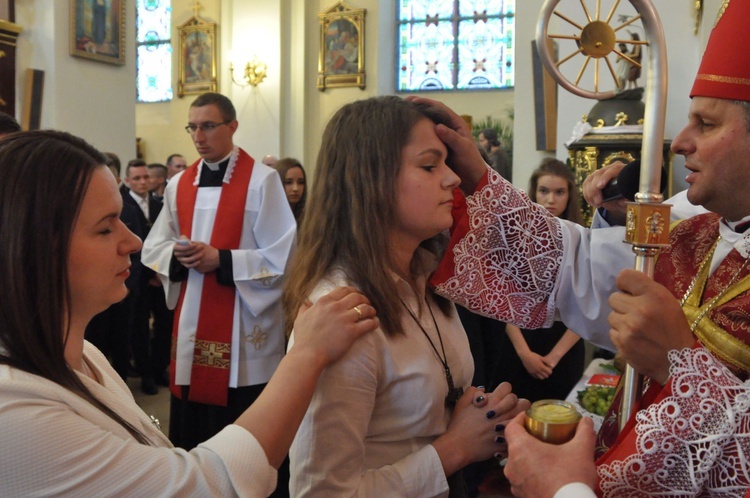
[(331, 325)]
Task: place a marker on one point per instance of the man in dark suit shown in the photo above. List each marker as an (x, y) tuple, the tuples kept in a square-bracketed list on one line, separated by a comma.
[(144, 353)]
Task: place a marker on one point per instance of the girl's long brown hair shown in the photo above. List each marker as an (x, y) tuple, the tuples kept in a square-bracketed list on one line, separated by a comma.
[(351, 207)]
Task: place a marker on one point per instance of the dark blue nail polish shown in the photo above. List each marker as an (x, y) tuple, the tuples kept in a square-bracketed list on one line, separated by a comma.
[(480, 387), (490, 413), (499, 427), (499, 439), (479, 399)]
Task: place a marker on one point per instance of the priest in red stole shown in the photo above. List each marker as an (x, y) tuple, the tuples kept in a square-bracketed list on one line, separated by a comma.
[(688, 330), (220, 247)]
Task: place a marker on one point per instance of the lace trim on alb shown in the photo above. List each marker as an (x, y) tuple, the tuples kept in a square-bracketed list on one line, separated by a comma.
[(695, 442), (507, 265), (233, 156)]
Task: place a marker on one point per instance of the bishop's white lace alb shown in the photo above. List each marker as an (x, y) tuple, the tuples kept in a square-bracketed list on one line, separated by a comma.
[(695, 442), (507, 265)]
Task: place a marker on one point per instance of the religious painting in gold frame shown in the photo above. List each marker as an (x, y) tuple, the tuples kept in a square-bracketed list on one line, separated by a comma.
[(341, 61), (197, 59), (97, 30)]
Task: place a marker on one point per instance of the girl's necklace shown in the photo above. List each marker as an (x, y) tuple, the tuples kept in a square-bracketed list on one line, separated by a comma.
[(454, 393)]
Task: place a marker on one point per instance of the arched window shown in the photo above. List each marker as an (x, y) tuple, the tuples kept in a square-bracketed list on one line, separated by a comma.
[(455, 44), (153, 50)]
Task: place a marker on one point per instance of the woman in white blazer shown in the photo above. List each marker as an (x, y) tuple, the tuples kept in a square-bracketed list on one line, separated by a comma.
[(69, 424)]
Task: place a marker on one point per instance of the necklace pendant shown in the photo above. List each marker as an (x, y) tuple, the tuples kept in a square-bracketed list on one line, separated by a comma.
[(454, 393), (453, 396)]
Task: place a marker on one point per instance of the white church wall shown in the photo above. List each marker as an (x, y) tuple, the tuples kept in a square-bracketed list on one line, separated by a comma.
[(92, 99)]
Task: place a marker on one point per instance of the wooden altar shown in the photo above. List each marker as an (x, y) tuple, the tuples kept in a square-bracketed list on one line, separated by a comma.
[(615, 133), (594, 151)]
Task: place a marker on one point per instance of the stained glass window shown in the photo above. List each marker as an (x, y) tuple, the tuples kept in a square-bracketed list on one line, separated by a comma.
[(455, 44), (153, 50)]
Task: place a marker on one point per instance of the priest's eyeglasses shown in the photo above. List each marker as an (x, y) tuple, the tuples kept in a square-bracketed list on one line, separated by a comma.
[(205, 127)]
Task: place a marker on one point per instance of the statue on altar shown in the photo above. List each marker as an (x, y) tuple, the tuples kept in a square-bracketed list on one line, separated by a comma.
[(627, 72)]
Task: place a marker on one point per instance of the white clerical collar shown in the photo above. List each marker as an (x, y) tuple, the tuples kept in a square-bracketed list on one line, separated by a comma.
[(740, 241), (215, 166), (745, 222), (233, 155)]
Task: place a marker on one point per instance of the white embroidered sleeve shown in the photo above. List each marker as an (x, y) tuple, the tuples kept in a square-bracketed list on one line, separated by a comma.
[(692, 443), (507, 265)]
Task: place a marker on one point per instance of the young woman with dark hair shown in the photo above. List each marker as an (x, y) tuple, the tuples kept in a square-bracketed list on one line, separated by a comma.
[(562, 201), (69, 423)]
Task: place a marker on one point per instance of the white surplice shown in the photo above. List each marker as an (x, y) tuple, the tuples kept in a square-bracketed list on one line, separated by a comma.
[(266, 245)]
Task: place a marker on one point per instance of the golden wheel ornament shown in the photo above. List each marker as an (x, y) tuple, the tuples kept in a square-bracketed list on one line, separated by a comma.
[(597, 44)]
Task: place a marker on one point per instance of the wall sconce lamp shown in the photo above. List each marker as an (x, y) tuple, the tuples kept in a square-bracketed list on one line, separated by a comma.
[(255, 72)]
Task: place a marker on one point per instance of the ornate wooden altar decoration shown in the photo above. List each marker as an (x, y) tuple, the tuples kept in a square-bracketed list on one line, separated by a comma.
[(616, 134)]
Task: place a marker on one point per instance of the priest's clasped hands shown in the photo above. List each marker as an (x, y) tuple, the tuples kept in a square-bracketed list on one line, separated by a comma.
[(196, 255)]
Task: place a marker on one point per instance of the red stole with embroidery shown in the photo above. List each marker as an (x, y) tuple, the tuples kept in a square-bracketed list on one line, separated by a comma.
[(209, 375)]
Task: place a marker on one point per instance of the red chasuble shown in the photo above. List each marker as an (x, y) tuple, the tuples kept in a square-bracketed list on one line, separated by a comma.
[(720, 304)]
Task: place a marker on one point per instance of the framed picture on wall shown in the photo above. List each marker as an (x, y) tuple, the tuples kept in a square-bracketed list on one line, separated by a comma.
[(341, 61), (97, 30), (197, 57)]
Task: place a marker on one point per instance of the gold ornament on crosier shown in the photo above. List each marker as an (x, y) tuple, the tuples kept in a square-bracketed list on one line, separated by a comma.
[(647, 224)]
